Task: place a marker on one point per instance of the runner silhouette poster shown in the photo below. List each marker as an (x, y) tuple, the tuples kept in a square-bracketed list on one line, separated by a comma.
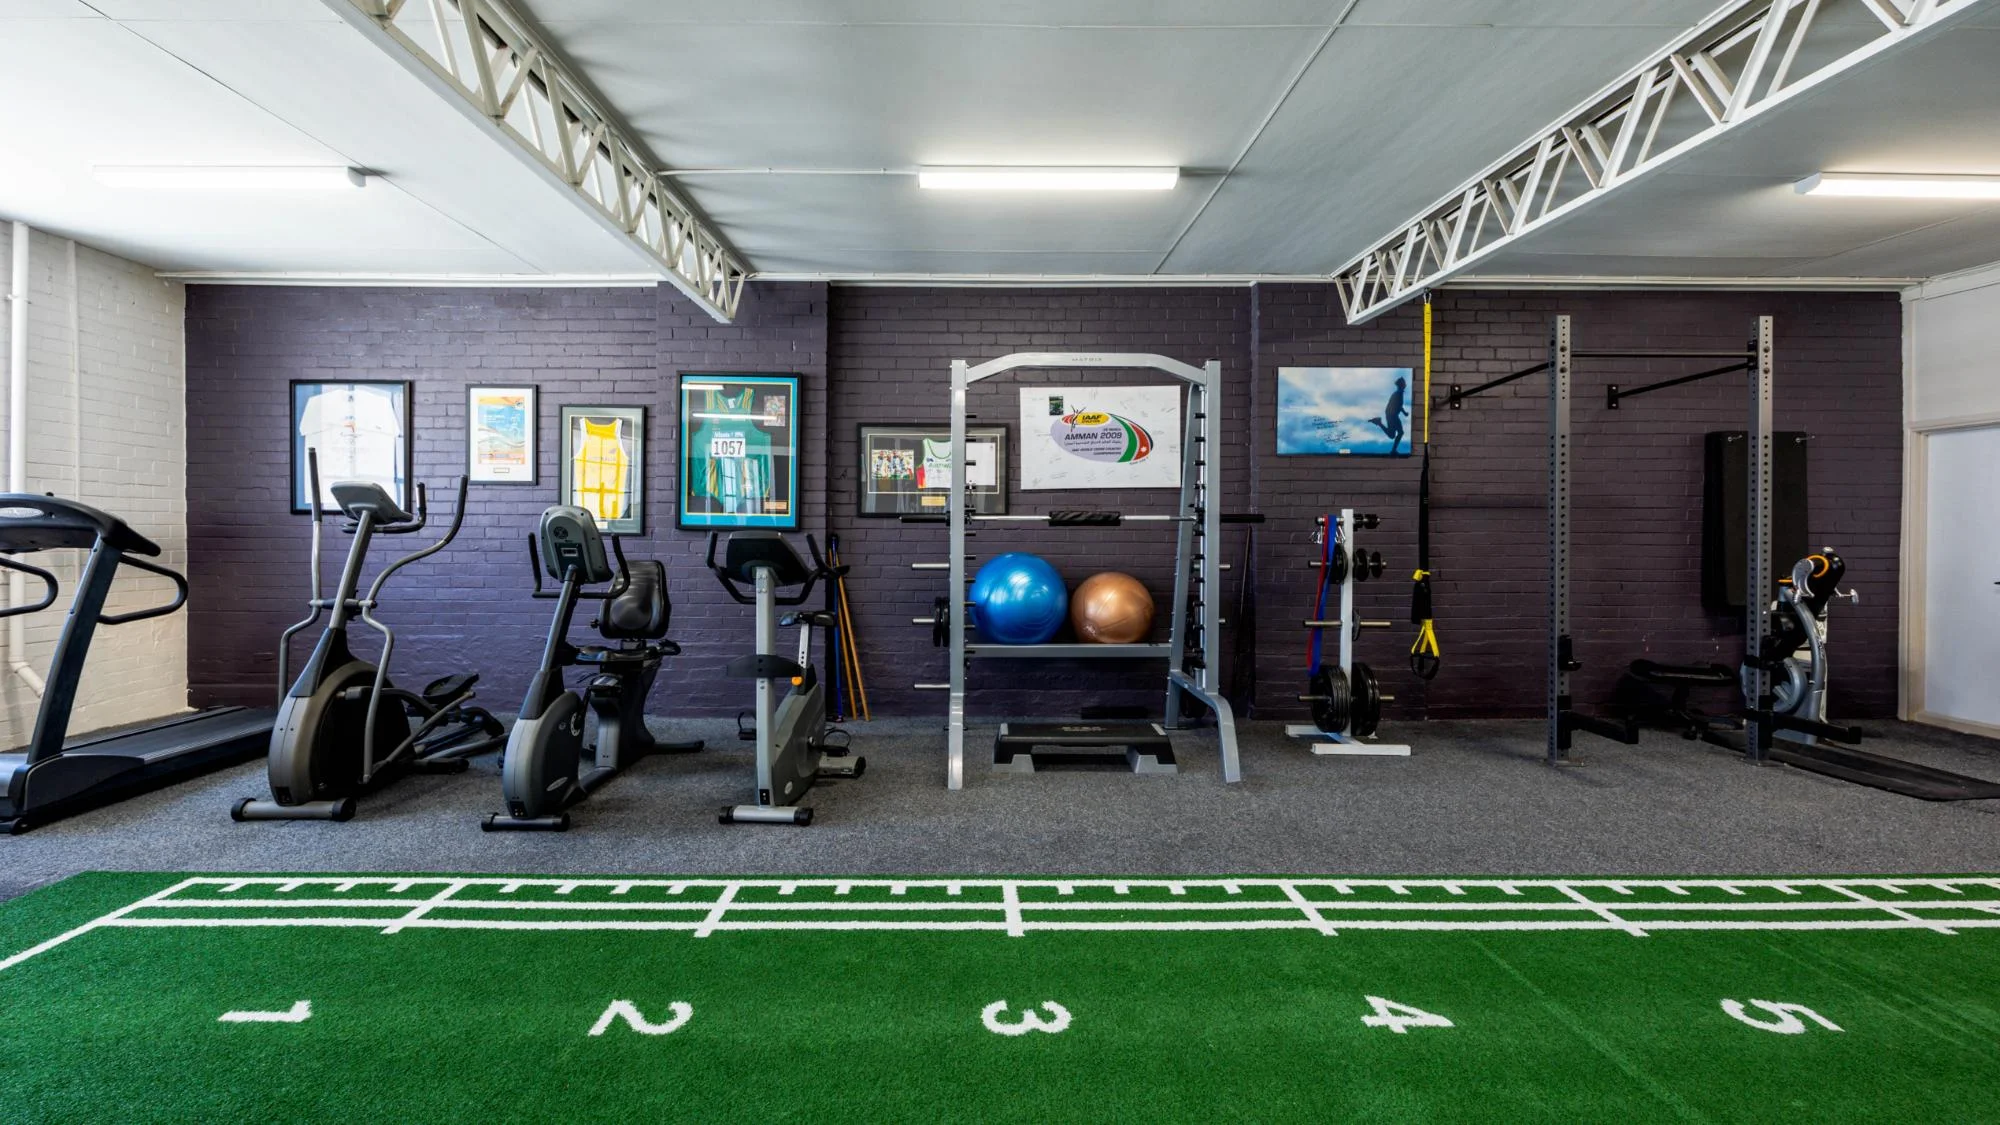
[(1100, 437), (739, 451), (1351, 411)]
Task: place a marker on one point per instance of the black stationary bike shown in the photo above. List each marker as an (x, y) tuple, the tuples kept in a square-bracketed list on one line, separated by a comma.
[(795, 745), (343, 729), (542, 774)]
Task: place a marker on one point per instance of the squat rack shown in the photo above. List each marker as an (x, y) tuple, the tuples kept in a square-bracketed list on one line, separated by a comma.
[(1756, 358), (1188, 652)]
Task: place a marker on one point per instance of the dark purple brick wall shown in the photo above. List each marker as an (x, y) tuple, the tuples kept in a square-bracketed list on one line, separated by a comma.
[(1636, 496), (893, 350), (467, 607), (1636, 504)]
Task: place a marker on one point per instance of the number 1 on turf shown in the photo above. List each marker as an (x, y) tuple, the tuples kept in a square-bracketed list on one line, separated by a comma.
[(1400, 1018)]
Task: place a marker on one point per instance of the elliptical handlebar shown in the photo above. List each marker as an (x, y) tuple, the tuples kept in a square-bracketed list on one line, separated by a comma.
[(451, 533)]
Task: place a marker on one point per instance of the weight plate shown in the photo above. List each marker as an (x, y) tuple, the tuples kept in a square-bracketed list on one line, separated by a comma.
[(1339, 572), (941, 623), (1367, 697), (1330, 707)]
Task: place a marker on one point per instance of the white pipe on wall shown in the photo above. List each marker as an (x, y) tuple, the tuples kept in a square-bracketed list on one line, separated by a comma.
[(17, 441)]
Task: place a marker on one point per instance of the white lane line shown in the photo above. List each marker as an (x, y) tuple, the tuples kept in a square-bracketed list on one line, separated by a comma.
[(715, 914), (424, 907), (1012, 895), (1601, 911), (1887, 909), (110, 919), (1311, 912)]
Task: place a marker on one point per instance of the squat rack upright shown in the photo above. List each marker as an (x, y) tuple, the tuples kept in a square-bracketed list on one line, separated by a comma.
[(1755, 358), (1189, 650)]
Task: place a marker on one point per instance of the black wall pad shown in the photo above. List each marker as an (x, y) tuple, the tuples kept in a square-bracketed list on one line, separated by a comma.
[(1725, 487)]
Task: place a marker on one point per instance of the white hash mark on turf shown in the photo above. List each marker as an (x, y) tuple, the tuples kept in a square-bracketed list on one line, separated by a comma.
[(679, 1014), (297, 1013), (1030, 1020), (1788, 1021)]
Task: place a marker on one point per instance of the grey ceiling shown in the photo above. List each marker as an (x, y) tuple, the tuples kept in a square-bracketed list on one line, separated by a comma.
[(1405, 98)]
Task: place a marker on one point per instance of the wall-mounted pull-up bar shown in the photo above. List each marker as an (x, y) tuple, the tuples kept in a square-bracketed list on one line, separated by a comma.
[(1613, 392), (1457, 396)]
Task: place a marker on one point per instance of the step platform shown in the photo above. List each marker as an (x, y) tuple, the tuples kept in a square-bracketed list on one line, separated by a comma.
[(1026, 747)]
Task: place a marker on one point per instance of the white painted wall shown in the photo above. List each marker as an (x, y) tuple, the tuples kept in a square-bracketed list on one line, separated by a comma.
[(107, 400), (1951, 379)]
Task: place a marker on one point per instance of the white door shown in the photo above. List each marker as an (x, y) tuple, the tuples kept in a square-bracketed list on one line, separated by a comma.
[(1962, 576)]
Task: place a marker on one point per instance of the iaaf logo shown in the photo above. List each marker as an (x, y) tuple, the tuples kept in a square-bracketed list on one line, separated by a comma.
[(1097, 436)]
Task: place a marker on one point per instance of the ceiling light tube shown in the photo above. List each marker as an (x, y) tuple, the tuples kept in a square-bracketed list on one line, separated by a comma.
[(230, 177), (1890, 186), (1048, 179)]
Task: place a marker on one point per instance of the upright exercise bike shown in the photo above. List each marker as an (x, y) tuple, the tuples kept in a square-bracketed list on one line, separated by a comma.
[(542, 774), (343, 729), (794, 741)]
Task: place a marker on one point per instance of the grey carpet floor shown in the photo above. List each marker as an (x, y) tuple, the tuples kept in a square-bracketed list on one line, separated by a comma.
[(1472, 799)]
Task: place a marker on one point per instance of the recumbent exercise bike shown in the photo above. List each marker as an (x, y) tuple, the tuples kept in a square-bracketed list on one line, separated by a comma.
[(794, 742), (543, 773)]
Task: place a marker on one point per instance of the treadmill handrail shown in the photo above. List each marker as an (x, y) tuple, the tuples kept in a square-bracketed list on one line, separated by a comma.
[(48, 582), (180, 595)]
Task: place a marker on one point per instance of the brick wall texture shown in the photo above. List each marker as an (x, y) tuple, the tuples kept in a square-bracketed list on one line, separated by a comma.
[(883, 355), (105, 394)]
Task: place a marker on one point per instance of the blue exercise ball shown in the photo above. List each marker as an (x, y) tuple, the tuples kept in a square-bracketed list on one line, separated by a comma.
[(1018, 599)]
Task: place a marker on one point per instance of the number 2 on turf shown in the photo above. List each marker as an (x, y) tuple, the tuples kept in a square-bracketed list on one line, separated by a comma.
[(1400, 1018)]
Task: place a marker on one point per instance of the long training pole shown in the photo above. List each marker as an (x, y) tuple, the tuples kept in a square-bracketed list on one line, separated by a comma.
[(1558, 675)]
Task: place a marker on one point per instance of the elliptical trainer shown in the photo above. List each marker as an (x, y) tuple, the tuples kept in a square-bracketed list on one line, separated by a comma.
[(793, 739), (332, 724), (542, 774)]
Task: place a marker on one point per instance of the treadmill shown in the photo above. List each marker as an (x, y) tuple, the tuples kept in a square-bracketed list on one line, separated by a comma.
[(54, 775)]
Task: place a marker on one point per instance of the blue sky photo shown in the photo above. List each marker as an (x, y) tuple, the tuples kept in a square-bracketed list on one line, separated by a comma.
[(1351, 410)]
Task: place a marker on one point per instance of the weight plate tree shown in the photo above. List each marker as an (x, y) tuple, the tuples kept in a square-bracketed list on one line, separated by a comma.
[(1345, 698)]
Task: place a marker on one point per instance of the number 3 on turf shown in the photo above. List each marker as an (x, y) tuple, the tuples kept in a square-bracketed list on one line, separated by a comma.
[(1788, 1021), (1400, 1018), (1030, 1020)]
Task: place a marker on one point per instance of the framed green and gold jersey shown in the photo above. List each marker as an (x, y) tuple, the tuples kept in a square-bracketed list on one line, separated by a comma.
[(739, 451)]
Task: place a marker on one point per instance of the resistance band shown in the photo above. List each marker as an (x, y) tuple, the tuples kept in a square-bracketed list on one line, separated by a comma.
[(1425, 658), (1329, 545)]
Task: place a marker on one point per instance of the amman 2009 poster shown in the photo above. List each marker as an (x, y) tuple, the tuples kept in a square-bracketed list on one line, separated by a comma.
[(739, 451)]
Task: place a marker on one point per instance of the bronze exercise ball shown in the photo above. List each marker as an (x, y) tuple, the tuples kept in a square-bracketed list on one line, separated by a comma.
[(1111, 609)]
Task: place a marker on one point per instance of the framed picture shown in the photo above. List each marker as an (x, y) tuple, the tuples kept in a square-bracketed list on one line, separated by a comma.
[(739, 451), (360, 431), (1350, 411), (500, 435), (604, 465), (1094, 438), (906, 470)]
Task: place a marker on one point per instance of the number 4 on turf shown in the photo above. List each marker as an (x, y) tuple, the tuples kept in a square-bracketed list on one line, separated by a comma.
[(1400, 1018)]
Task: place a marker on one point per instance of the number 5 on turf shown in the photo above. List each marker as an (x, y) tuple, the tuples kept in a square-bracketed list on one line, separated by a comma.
[(1400, 1018), (1788, 1021)]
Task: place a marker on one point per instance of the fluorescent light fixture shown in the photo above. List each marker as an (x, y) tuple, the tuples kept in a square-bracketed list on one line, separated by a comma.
[(1900, 187), (1048, 179), (230, 177)]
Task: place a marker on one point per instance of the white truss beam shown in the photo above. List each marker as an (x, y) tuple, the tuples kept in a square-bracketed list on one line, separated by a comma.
[(1746, 59), (480, 53)]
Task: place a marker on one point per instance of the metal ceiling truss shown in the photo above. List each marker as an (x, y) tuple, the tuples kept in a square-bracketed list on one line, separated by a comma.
[(487, 57), (1743, 60)]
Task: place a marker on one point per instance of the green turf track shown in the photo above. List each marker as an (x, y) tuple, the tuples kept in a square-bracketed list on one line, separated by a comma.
[(120, 1024)]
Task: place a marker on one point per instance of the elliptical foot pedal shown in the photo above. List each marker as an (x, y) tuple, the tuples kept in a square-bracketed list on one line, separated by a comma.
[(1144, 747)]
